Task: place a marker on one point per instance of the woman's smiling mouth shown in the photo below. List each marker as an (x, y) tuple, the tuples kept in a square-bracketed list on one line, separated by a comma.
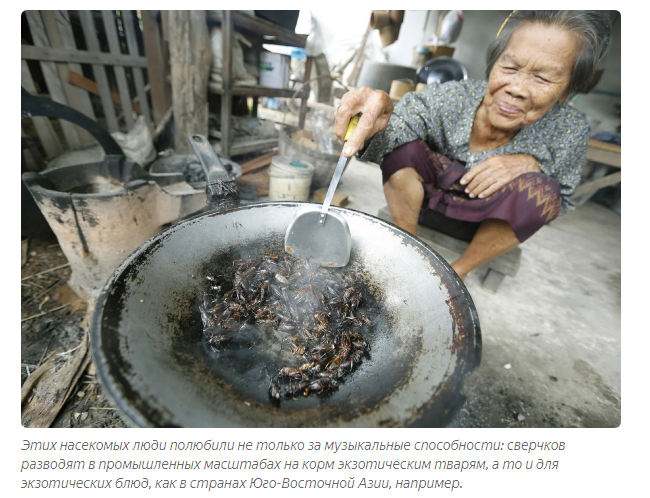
[(508, 109)]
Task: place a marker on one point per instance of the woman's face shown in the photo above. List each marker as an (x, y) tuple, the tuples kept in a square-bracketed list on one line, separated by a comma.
[(531, 75)]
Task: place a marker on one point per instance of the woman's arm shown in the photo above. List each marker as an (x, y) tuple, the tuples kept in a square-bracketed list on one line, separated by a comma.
[(414, 118), (568, 149), (486, 178)]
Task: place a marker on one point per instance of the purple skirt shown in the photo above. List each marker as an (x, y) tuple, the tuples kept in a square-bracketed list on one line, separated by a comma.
[(527, 203)]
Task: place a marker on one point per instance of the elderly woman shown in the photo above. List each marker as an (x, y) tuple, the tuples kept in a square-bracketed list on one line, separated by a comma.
[(491, 162)]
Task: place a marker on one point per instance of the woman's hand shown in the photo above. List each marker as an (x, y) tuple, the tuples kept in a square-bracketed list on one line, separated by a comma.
[(376, 108), (486, 178)]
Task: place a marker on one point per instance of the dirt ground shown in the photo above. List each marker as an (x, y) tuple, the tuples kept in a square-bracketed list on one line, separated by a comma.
[(51, 328)]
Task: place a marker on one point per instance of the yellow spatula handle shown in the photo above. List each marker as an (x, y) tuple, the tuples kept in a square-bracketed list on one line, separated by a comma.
[(351, 127)]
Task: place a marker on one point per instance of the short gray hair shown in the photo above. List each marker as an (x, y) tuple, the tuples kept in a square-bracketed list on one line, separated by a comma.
[(592, 27)]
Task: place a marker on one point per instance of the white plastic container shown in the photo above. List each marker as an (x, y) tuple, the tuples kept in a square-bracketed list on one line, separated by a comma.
[(290, 180), (275, 70)]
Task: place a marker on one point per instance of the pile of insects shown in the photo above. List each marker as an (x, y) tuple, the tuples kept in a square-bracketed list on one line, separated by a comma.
[(317, 308)]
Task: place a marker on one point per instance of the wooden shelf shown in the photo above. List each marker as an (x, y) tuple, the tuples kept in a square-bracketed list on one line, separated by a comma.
[(259, 32), (272, 34), (245, 147), (257, 91)]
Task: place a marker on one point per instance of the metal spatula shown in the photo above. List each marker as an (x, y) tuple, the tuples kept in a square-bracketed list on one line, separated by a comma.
[(317, 234)]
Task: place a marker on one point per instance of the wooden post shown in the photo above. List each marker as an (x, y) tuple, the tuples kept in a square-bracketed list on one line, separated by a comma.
[(77, 99), (157, 67), (190, 58), (99, 71), (138, 77), (303, 103), (120, 75), (52, 76), (227, 36)]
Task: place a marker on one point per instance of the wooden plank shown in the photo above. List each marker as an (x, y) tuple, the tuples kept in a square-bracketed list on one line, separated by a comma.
[(165, 55), (227, 38), (257, 91), (610, 156), (44, 129), (88, 26), (598, 144), (257, 25), (67, 36), (590, 187), (157, 69), (51, 75), (138, 78), (80, 56), (73, 95), (90, 86), (239, 148), (120, 75), (258, 162)]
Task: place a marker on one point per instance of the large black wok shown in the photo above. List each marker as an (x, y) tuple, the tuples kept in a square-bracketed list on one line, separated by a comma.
[(152, 360)]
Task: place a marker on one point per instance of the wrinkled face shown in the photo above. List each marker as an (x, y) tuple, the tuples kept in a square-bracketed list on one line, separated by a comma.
[(531, 75)]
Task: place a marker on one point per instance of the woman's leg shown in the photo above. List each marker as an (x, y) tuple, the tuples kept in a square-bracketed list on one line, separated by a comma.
[(405, 194), (493, 238)]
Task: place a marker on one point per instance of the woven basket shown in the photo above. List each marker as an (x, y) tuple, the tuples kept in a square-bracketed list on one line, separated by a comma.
[(324, 164)]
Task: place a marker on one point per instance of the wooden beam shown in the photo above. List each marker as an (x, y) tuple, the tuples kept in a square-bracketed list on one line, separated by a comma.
[(257, 91), (598, 144), (51, 75), (138, 77), (257, 25), (120, 75), (67, 36), (604, 153), (258, 162), (591, 187), (90, 34), (227, 40), (74, 97), (80, 56), (190, 57), (90, 86), (157, 67)]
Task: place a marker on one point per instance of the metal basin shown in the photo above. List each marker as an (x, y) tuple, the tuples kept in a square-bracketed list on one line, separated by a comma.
[(150, 357)]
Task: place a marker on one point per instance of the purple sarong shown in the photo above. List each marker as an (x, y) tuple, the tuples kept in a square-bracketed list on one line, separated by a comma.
[(527, 203)]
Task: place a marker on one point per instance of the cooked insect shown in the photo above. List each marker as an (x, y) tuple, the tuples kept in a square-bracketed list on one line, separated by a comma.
[(317, 308), (274, 389)]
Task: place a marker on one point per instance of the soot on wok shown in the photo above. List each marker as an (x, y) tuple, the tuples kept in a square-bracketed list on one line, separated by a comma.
[(315, 309)]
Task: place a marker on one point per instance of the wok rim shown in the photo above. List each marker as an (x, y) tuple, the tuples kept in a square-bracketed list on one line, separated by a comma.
[(109, 384)]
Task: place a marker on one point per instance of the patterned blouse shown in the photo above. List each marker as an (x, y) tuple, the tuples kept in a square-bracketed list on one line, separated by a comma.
[(443, 115)]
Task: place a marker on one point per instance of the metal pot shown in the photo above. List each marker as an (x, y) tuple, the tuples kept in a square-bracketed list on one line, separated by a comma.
[(103, 211), (147, 336)]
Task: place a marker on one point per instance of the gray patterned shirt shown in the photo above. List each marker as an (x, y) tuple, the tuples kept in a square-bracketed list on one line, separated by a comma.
[(443, 115)]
